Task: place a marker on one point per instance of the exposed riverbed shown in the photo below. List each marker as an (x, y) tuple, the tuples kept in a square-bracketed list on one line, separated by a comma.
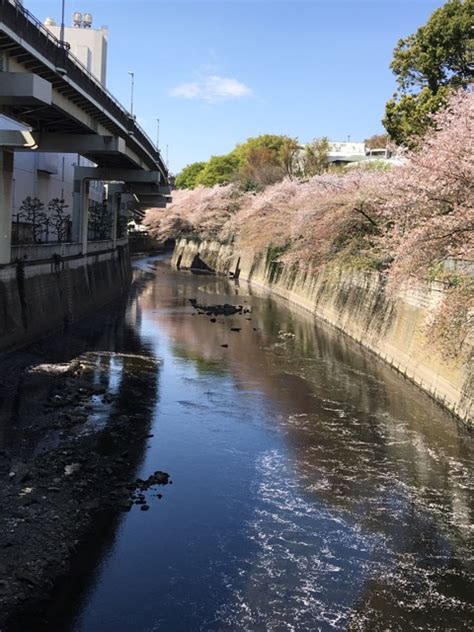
[(312, 487)]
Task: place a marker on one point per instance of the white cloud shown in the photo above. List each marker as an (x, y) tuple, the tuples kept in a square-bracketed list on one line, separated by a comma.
[(212, 88)]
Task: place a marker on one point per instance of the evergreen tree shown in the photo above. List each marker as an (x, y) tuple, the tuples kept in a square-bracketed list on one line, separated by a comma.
[(428, 65)]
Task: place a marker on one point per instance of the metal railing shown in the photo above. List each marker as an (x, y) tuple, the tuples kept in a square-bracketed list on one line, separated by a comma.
[(29, 28), (64, 250)]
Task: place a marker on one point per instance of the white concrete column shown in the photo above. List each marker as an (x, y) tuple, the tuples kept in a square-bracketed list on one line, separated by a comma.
[(6, 183)]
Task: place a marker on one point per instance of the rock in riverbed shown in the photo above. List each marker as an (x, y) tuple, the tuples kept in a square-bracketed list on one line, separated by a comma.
[(219, 310)]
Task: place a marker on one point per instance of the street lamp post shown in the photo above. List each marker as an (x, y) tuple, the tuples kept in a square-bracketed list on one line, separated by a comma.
[(158, 134), (61, 32), (132, 75)]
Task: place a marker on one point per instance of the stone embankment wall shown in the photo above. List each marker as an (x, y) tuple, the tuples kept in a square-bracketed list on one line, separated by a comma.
[(356, 303), (39, 297)]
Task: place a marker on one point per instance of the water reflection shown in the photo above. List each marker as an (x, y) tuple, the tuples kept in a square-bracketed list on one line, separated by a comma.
[(367, 522), (314, 489)]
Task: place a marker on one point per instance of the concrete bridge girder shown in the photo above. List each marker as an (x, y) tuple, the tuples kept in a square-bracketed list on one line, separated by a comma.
[(89, 145), (117, 174), (146, 197), (27, 88), (22, 85), (147, 189), (59, 100), (82, 144), (156, 203), (20, 88), (62, 143), (17, 140), (85, 101)]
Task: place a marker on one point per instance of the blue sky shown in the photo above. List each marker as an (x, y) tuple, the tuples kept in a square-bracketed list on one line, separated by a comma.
[(215, 73)]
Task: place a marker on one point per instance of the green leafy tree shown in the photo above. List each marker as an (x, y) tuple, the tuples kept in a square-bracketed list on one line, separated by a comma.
[(428, 65), (188, 177), (266, 159), (288, 155), (316, 157), (272, 143), (377, 141), (259, 169), (219, 170)]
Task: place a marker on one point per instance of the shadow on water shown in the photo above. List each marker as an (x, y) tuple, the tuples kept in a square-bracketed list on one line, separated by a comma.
[(111, 330), (124, 368)]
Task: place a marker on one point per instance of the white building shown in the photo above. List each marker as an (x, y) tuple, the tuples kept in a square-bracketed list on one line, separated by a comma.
[(351, 153), (344, 152), (47, 176), (89, 45)]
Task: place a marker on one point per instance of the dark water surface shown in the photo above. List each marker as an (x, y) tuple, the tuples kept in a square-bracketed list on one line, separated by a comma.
[(313, 488)]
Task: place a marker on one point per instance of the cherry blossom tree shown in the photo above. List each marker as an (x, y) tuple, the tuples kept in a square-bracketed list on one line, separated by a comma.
[(428, 201), (413, 216)]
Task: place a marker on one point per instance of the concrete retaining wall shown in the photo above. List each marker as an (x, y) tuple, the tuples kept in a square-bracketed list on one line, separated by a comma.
[(393, 327), (39, 297)]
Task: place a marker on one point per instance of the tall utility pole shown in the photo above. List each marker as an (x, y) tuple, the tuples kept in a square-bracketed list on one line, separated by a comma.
[(132, 75), (61, 32), (158, 134)]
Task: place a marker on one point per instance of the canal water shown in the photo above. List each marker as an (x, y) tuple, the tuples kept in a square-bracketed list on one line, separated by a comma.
[(312, 487)]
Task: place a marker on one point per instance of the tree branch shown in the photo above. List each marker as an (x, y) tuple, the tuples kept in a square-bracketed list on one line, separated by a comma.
[(367, 217)]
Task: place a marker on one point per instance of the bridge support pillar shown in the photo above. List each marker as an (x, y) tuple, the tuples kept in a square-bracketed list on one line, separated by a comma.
[(113, 206), (80, 213), (6, 183)]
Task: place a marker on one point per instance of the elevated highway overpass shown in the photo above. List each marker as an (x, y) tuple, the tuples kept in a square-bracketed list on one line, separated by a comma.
[(62, 107)]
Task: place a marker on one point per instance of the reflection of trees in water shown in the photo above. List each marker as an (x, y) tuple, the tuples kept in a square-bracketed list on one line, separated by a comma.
[(388, 451), (204, 366), (375, 438)]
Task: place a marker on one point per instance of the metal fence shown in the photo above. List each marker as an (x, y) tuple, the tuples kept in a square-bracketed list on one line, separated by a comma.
[(48, 252)]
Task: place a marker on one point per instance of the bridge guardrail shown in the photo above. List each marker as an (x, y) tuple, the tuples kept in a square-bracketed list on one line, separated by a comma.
[(38, 35)]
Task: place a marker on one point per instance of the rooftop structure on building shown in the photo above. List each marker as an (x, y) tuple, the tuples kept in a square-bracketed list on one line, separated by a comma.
[(88, 44)]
